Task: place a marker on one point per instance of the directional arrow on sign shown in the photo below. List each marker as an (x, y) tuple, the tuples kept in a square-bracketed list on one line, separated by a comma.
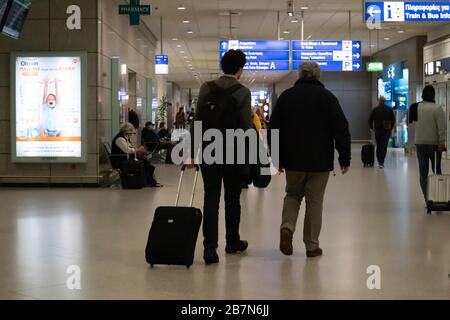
[(357, 56), (373, 10), (224, 45), (357, 46), (357, 65)]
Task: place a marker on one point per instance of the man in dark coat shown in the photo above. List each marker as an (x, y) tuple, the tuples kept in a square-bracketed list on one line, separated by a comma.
[(311, 125)]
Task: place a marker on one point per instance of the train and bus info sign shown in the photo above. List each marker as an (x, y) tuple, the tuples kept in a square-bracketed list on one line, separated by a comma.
[(407, 11)]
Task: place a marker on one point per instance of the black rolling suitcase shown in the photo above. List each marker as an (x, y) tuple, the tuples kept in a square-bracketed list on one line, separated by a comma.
[(260, 180), (174, 231), (132, 174), (368, 155)]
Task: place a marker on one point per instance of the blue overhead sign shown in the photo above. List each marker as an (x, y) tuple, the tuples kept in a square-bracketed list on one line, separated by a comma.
[(333, 65), (321, 45), (161, 59), (254, 45), (161, 64), (399, 11), (262, 55), (330, 55)]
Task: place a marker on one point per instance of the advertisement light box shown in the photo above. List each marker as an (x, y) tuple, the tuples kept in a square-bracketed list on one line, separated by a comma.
[(48, 109)]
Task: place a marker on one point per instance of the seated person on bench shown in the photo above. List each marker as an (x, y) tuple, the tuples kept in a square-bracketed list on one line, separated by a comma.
[(122, 149), (163, 133), (150, 139)]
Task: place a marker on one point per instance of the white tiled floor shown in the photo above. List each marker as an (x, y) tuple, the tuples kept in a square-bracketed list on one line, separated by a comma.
[(372, 217)]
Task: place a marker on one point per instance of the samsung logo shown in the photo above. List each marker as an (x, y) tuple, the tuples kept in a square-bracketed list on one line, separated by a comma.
[(29, 64)]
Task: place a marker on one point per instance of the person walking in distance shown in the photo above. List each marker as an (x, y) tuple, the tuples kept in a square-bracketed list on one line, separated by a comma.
[(428, 119), (311, 125), (382, 121), (223, 104)]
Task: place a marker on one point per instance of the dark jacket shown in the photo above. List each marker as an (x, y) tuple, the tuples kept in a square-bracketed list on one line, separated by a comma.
[(133, 118), (150, 139), (311, 124), (244, 103), (149, 136), (117, 155), (164, 134), (382, 118), (243, 97)]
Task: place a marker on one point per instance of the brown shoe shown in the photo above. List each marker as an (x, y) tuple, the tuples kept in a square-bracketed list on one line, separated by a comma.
[(286, 242), (316, 253)]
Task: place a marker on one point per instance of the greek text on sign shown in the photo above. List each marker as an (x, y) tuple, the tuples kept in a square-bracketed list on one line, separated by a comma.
[(340, 55), (399, 11)]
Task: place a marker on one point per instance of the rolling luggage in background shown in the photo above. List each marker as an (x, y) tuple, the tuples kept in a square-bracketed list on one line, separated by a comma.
[(132, 174), (174, 231), (259, 180), (368, 155), (438, 192)]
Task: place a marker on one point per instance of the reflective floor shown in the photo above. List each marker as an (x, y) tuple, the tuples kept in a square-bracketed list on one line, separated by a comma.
[(372, 217)]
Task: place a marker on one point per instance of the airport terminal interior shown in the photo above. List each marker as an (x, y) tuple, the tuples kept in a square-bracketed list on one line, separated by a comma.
[(74, 73)]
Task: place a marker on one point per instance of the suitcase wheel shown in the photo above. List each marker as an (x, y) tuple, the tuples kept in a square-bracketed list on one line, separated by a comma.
[(188, 267), (152, 266)]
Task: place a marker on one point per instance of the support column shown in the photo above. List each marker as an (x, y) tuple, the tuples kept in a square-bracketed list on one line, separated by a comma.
[(161, 91)]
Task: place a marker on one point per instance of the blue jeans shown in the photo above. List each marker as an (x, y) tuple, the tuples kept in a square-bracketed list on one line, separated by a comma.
[(425, 154)]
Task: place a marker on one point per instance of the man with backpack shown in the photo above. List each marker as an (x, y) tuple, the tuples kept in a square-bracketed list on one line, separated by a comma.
[(223, 104), (382, 121)]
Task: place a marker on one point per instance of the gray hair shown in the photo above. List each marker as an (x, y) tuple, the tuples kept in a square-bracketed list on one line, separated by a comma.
[(127, 128), (310, 70)]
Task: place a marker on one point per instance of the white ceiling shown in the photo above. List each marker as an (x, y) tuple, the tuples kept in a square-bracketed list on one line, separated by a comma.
[(257, 19)]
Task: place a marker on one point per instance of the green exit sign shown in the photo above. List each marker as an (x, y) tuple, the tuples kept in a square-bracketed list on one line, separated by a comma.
[(375, 66)]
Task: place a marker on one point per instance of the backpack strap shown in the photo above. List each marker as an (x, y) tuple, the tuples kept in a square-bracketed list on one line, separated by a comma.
[(212, 86), (234, 88)]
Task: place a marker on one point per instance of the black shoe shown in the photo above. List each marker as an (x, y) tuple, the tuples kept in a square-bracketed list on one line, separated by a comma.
[(286, 242), (210, 256), (155, 185), (315, 253), (239, 246)]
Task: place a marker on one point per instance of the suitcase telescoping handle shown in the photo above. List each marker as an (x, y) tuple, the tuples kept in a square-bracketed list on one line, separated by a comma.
[(183, 169)]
